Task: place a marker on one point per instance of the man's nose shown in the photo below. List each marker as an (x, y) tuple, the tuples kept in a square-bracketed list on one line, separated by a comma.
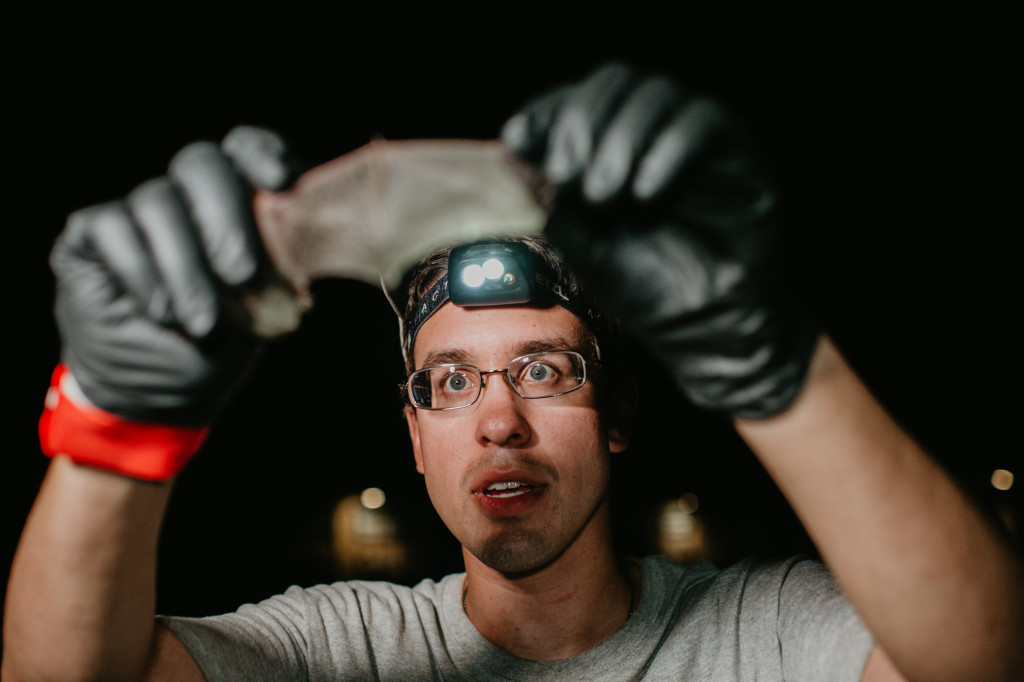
[(500, 418)]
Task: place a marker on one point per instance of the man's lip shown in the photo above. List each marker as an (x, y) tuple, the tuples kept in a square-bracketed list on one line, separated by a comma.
[(490, 477), (507, 507), (502, 505)]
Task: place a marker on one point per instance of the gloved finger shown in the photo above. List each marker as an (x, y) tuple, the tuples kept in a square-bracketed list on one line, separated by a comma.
[(221, 208), (107, 234), (262, 156), (526, 132), (697, 125), (163, 219), (627, 136), (581, 120)]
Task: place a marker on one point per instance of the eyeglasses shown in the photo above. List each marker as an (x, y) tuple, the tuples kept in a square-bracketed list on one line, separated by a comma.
[(537, 375)]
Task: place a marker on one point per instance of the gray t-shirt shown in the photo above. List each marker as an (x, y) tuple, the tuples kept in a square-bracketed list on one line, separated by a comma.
[(769, 621)]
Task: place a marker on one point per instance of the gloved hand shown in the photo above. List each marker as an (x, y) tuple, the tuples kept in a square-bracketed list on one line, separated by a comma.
[(665, 210), (144, 285)]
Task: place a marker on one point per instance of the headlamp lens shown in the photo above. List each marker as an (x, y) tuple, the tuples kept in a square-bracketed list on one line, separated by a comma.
[(493, 268), (473, 276)]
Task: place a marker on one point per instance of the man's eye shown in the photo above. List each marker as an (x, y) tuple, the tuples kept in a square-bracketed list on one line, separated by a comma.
[(539, 371), (454, 383)]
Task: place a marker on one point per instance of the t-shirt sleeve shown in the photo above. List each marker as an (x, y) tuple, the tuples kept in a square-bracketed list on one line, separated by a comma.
[(821, 637), (265, 641), (329, 632)]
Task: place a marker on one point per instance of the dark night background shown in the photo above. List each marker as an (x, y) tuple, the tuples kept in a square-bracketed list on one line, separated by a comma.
[(897, 145)]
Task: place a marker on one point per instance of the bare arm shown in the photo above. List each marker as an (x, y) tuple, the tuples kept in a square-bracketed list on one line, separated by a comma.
[(81, 597), (697, 275), (148, 358), (933, 581)]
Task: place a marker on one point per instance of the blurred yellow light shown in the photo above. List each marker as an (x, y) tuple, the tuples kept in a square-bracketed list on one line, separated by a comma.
[(372, 498), (681, 534), (1002, 479), (688, 503), (367, 542)]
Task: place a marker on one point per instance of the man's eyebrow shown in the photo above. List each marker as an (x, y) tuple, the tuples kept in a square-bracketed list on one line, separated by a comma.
[(450, 356), (550, 343), (460, 356)]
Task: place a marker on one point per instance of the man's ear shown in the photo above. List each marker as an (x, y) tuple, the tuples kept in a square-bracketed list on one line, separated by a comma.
[(620, 411), (617, 440), (414, 436), (620, 426)]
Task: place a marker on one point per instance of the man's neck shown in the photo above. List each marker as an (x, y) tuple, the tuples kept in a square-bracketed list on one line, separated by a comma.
[(561, 610)]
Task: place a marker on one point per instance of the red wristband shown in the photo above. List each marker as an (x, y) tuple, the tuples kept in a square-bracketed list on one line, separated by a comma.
[(94, 437)]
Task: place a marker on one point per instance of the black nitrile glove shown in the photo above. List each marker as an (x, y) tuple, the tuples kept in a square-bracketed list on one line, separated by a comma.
[(143, 283), (666, 212)]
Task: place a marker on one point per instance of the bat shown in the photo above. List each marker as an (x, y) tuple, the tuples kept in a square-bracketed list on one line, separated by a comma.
[(373, 213)]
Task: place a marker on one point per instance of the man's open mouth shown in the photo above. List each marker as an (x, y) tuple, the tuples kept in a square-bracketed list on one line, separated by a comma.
[(507, 489)]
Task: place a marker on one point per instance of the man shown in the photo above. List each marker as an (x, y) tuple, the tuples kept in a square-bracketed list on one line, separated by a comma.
[(665, 213)]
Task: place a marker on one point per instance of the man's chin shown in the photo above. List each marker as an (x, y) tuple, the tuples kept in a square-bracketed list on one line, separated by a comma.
[(514, 552)]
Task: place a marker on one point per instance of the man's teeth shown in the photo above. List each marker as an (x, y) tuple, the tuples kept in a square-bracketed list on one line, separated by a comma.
[(504, 485), (507, 488)]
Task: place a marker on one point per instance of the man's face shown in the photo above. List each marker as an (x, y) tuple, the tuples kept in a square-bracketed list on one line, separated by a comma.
[(555, 449)]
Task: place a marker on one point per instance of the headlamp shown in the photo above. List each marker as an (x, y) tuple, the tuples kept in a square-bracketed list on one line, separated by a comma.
[(490, 273)]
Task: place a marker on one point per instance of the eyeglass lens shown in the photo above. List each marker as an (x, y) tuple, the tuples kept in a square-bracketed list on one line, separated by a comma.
[(538, 375)]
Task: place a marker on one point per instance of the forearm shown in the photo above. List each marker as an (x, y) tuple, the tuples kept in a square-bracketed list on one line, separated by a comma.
[(933, 581), (81, 597)]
